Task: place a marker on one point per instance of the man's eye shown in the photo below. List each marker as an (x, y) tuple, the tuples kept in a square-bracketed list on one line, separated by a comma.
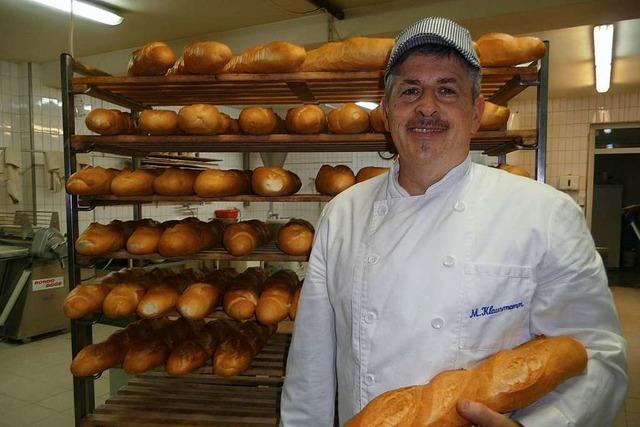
[(447, 91), (410, 91)]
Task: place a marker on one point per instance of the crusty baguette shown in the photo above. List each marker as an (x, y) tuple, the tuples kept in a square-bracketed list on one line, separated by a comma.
[(236, 352), (352, 54), (241, 298), (137, 182), (275, 300), (296, 237), (123, 299), (369, 172), (244, 237), (188, 236), (99, 239), (332, 180), (153, 59), (202, 297), (221, 183), (175, 182), (91, 181), (274, 57), (494, 117), (506, 381), (503, 50), (201, 119), (84, 300), (274, 181), (145, 238), (178, 68), (161, 298), (158, 122), (205, 57)]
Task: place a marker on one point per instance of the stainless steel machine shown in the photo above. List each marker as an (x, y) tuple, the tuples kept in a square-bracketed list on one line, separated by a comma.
[(34, 284)]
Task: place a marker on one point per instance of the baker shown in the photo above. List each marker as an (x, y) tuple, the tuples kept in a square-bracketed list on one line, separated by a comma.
[(442, 262)]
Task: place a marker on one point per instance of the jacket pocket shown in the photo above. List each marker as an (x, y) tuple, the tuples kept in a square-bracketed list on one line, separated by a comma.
[(495, 306)]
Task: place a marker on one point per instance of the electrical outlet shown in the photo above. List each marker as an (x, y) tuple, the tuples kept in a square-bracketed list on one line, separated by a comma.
[(569, 182)]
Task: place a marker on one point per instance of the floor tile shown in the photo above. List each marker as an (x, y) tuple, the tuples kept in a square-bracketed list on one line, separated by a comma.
[(56, 420), (27, 415), (9, 402), (60, 402)]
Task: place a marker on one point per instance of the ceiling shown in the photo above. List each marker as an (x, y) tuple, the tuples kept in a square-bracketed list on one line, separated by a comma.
[(32, 32)]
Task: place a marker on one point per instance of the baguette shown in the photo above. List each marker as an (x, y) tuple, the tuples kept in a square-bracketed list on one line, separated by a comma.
[(153, 59), (145, 238), (306, 119), (296, 237), (84, 300), (494, 117), (222, 183), (175, 182), (352, 54), (91, 181), (258, 121), (503, 50), (202, 297), (110, 122), (274, 57), (201, 119), (99, 239), (161, 298), (332, 180), (177, 68), (244, 237), (236, 352), (273, 181), (206, 57), (158, 122), (349, 119), (369, 172), (507, 381), (275, 300), (241, 298), (137, 182), (123, 299), (189, 236)]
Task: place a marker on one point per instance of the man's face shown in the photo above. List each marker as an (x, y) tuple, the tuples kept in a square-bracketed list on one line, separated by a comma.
[(430, 111)]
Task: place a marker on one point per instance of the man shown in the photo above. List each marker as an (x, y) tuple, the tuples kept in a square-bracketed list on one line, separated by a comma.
[(406, 266)]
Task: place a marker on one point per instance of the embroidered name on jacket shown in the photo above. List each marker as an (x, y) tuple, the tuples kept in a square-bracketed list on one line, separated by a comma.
[(489, 309)]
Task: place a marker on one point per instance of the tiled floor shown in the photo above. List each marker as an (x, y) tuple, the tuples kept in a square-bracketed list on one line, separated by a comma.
[(36, 387)]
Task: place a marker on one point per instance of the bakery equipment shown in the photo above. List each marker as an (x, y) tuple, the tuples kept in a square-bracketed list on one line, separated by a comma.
[(33, 284)]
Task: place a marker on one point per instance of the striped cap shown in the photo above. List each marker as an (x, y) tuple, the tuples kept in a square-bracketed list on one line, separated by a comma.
[(434, 30)]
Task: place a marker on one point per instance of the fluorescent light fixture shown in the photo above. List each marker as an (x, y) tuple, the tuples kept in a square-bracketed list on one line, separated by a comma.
[(367, 105), (607, 131), (603, 54), (85, 10)]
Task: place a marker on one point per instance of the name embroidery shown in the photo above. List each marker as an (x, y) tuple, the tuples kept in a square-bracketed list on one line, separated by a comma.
[(490, 310)]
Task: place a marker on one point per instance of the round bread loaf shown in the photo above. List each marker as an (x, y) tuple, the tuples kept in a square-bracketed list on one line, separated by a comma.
[(175, 182), (222, 183), (368, 172), (296, 237), (377, 122), (158, 122), (494, 117), (503, 50), (350, 118), (258, 121), (206, 57), (271, 181), (153, 59), (201, 119), (137, 182), (109, 122), (306, 119), (333, 180), (91, 181)]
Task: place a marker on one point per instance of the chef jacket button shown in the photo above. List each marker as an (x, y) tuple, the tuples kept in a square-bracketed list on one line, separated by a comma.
[(437, 323), (369, 379), (370, 317), (382, 210), (372, 259), (448, 261), (459, 206)]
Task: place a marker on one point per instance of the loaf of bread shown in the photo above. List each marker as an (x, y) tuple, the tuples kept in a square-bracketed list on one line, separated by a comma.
[(161, 298), (153, 59), (91, 181), (110, 122), (201, 298), (175, 182), (348, 119), (514, 169), (188, 237), (377, 122), (231, 125), (100, 239), (296, 237), (276, 297), (332, 180), (272, 181), (235, 354), (306, 119), (84, 300), (201, 119), (158, 122), (178, 68), (369, 172), (293, 310), (507, 381), (221, 183), (352, 54), (241, 298), (503, 50), (145, 238), (244, 237), (137, 182), (258, 121), (206, 57), (123, 299), (494, 117), (274, 57)]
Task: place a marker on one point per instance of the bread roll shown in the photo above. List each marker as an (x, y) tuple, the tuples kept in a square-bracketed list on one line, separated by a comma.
[(369, 172), (377, 121), (296, 237), (91, 181), (494, 117), (84, 300), (274, 182), (514, 169), (202, 297), (175, 182), (332, 180), (153, 59), (221, 183), (244, 237), (274, 57), (158, 122), (306, 119), (241, 298), (110, 122), (258, 121), (275, 300), (506, 381), (348, 119), (178, 68), (100, 239), (293, 310), (137, 182), (201, 119), (145, 238), (207, 57), (352, 54), (503, 50)]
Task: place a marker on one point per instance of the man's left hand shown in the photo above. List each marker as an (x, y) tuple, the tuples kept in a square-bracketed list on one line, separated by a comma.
[(481, 416)]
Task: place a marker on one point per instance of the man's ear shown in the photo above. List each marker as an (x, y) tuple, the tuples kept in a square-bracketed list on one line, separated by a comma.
[(383, 109), (478, 109)]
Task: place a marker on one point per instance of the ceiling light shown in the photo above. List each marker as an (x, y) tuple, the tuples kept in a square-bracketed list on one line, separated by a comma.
[(367, 105), (603, 53), (85, 10), (607, 131)]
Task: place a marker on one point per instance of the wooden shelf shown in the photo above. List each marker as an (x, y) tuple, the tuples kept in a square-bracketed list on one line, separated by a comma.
[(498, 85), (157, 399), (268, 252), (125, 200)]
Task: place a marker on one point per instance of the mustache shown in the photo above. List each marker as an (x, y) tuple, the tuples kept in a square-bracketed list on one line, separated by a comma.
[(428, 122)]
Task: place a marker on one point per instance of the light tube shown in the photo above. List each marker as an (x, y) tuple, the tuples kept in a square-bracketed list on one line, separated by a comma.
[(85, 10), (603, 54)]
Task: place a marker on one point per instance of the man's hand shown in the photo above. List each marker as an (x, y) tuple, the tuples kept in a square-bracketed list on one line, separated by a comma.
[(482, 416)]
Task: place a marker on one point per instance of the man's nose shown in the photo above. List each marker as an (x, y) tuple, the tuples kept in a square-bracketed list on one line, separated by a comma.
[(427, 104)]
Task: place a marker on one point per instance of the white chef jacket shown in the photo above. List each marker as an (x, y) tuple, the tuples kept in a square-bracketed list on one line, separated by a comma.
[(400, 288)]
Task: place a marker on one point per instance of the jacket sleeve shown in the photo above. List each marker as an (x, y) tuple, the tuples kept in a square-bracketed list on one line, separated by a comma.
[(309, 391), (572, 298)]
